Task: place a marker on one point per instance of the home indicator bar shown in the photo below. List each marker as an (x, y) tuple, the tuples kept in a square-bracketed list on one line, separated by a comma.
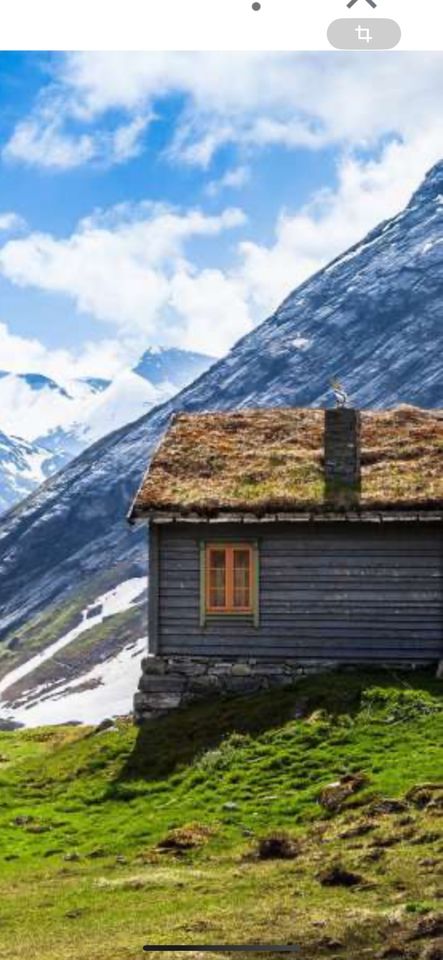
[(224, 948)]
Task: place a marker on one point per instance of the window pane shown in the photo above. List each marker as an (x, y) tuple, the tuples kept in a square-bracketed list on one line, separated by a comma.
[(217, 578), (242, 590)]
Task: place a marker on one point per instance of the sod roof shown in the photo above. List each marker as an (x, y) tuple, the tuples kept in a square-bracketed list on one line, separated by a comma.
[(271, 460)]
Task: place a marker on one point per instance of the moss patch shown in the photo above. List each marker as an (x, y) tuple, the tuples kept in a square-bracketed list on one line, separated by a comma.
[(278, 454)]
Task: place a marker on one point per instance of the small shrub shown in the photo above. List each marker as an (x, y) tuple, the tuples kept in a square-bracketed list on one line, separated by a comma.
[(416, 906), (278, 846), (387, 805), (429, 926), (223, 756), (426, 794), (398, 706), (339, 876), (333, 796), (188, 837)]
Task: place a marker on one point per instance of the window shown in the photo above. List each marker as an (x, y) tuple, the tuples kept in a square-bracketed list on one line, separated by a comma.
[(229, 576)]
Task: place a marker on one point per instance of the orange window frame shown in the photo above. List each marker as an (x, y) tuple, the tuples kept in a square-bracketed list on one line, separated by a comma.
[(229, 550)]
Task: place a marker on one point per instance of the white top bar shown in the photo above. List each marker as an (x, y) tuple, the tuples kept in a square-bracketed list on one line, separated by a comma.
[(206, 24)]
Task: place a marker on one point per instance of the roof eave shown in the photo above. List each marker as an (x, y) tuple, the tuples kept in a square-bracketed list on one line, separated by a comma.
[(135, 515), (232, 516)]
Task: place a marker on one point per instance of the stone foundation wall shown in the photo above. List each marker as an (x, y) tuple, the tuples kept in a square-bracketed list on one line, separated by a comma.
[(168, 683)]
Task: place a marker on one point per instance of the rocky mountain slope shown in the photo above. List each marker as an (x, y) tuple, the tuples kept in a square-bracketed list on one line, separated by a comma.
[(373, 317), (46, 424)]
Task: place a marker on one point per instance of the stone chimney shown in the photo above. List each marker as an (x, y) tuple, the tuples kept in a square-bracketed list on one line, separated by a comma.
[(342, 457)]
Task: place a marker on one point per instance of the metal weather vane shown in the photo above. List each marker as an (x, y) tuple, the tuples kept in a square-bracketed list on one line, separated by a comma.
[(339, 392)]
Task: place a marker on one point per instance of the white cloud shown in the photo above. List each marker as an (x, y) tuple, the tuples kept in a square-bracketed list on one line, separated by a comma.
[(48, 145), (214, 310), (128, 268), (15, 350), (42, 143), (131, 266), (233, 179), (29, 355), (99, 105), (367, 193), (127, 140), (43, 139), (11, 222)]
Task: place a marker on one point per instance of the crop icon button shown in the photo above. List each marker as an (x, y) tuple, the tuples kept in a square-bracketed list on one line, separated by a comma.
[(363, 34), (373, 34)]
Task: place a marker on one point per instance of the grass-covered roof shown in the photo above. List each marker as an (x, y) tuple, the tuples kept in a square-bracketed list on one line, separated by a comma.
[(261, 461)]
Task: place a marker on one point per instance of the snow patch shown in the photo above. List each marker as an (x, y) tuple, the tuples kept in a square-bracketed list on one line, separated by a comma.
[(31, 467), (116, 680), (366, 245), (301, 343), (127, 399), (430, 244), (109, 604)]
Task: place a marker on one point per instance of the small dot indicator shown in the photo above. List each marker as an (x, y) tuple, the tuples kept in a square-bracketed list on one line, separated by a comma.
[(256, 6)]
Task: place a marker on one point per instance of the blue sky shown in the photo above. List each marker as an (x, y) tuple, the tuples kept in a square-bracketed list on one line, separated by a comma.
[(177, 198)]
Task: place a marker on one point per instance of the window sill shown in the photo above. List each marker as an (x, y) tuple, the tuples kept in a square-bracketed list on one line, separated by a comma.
[(212, 619)]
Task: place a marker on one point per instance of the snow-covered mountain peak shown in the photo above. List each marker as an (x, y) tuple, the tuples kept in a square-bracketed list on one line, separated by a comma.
[(35, 381), (61, 420), (97, 384), (127, 398), (164, 365)]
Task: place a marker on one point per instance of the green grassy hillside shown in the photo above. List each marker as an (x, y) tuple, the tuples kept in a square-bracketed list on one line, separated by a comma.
[(216, 824)]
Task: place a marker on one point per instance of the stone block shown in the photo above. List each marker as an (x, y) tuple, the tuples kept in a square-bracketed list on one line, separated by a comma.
[(220, 669), (204, 686), (190, 668), (167, 683), (140, 701), (148, 716), (267, 670), (164, 701), (243, 685), (241, 669), (153, 665)]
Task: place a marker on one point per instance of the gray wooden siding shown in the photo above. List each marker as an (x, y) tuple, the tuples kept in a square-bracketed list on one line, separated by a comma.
[(355, 592)]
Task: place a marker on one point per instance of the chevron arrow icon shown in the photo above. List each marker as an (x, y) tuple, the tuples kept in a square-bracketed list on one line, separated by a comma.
[(353, 2)]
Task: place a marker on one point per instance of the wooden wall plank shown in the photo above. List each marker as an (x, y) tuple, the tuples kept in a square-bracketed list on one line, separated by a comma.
[(154, 589), (335, 590)]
